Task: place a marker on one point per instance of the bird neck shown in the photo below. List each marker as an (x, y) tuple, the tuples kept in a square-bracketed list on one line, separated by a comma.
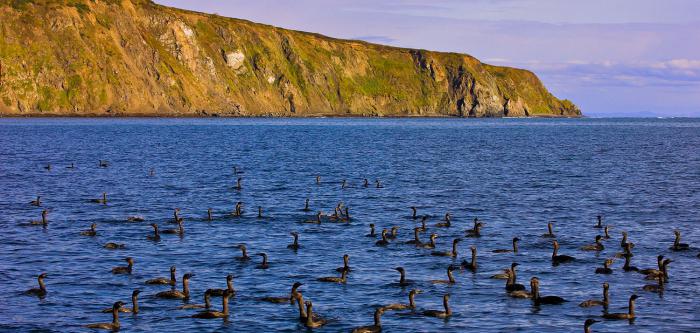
[(207, 301), (225, 305), (631, 307), (309, 314), (403, 277), (135, 303), (411, 300), (450, 276), (377, 319), (173, 279), (302, 311), (115, 316), (229, 284), (446, 304), (186, 287), (454, 249), (515, 246)]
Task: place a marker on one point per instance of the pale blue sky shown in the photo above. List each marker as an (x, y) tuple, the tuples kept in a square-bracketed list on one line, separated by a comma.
[(611, 57)]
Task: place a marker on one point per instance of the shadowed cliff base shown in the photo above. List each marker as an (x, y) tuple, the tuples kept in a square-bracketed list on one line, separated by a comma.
[(137, 58)]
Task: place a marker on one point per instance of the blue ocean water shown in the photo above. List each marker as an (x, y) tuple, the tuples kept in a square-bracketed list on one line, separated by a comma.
[(641, 175)]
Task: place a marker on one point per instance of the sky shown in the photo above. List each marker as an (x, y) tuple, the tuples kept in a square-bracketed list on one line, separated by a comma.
[(610, 57)]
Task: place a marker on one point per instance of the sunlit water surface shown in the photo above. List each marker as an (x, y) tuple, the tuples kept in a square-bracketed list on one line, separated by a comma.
[(642, 175)]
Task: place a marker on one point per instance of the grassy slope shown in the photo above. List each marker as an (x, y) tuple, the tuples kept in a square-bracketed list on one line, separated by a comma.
[(112, 57)]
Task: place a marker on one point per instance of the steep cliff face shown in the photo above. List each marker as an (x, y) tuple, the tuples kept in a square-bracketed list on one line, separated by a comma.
[(133, 57)]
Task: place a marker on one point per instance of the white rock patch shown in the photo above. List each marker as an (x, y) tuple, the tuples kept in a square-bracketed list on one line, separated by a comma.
[(235, 59)]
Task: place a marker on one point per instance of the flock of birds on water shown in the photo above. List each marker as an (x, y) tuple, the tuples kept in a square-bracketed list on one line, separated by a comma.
[(310, 319)]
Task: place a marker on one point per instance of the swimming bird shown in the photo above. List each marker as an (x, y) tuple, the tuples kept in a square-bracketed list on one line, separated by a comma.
[(429, 245), (476, 231), (172, 281), (244, 253), (114, 246), (655, 288), (538, 300), (402, 280), (344, 184), (36, 202), (522, 293), (124, 269), (44, 219), (284, 299), (663, 272), (209, 214), (114, 325), (313, 321), (627, 267), (606, 267), (677, 245), (594, 302), (623, 242), (393, 233), (103, 200), (630, 312), (177, 294), (264, 264), (41, 291), (90, 232), (71, 166), (600, 222), (447, 223), (470, 265), (550, 231), (156, 233), (334, 279), (399, 306), (176, 216), (606, 234), (450, 277), (441, 314), (318, 180), (423, 227), (511, 282), (48, 167), (229, 287), (452, 253), (346, 264), (416, 239), (376, 328), (659, 263), (627, 252), (206, 305), (135, 218), (561, 258), (597, 246), (414, 215), (384, 241), (513, 250), (378, 184), (317, 220), (210, 314), (371, 231), (295, 245), (134, 304), (365, 183), (239, 184), (306, 206), (587, 325), (103, 164)]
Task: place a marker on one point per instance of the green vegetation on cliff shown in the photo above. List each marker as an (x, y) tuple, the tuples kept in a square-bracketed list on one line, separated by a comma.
[(133, 57)]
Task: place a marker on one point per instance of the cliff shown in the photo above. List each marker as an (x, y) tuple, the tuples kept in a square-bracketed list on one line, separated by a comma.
[(137, 58)]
